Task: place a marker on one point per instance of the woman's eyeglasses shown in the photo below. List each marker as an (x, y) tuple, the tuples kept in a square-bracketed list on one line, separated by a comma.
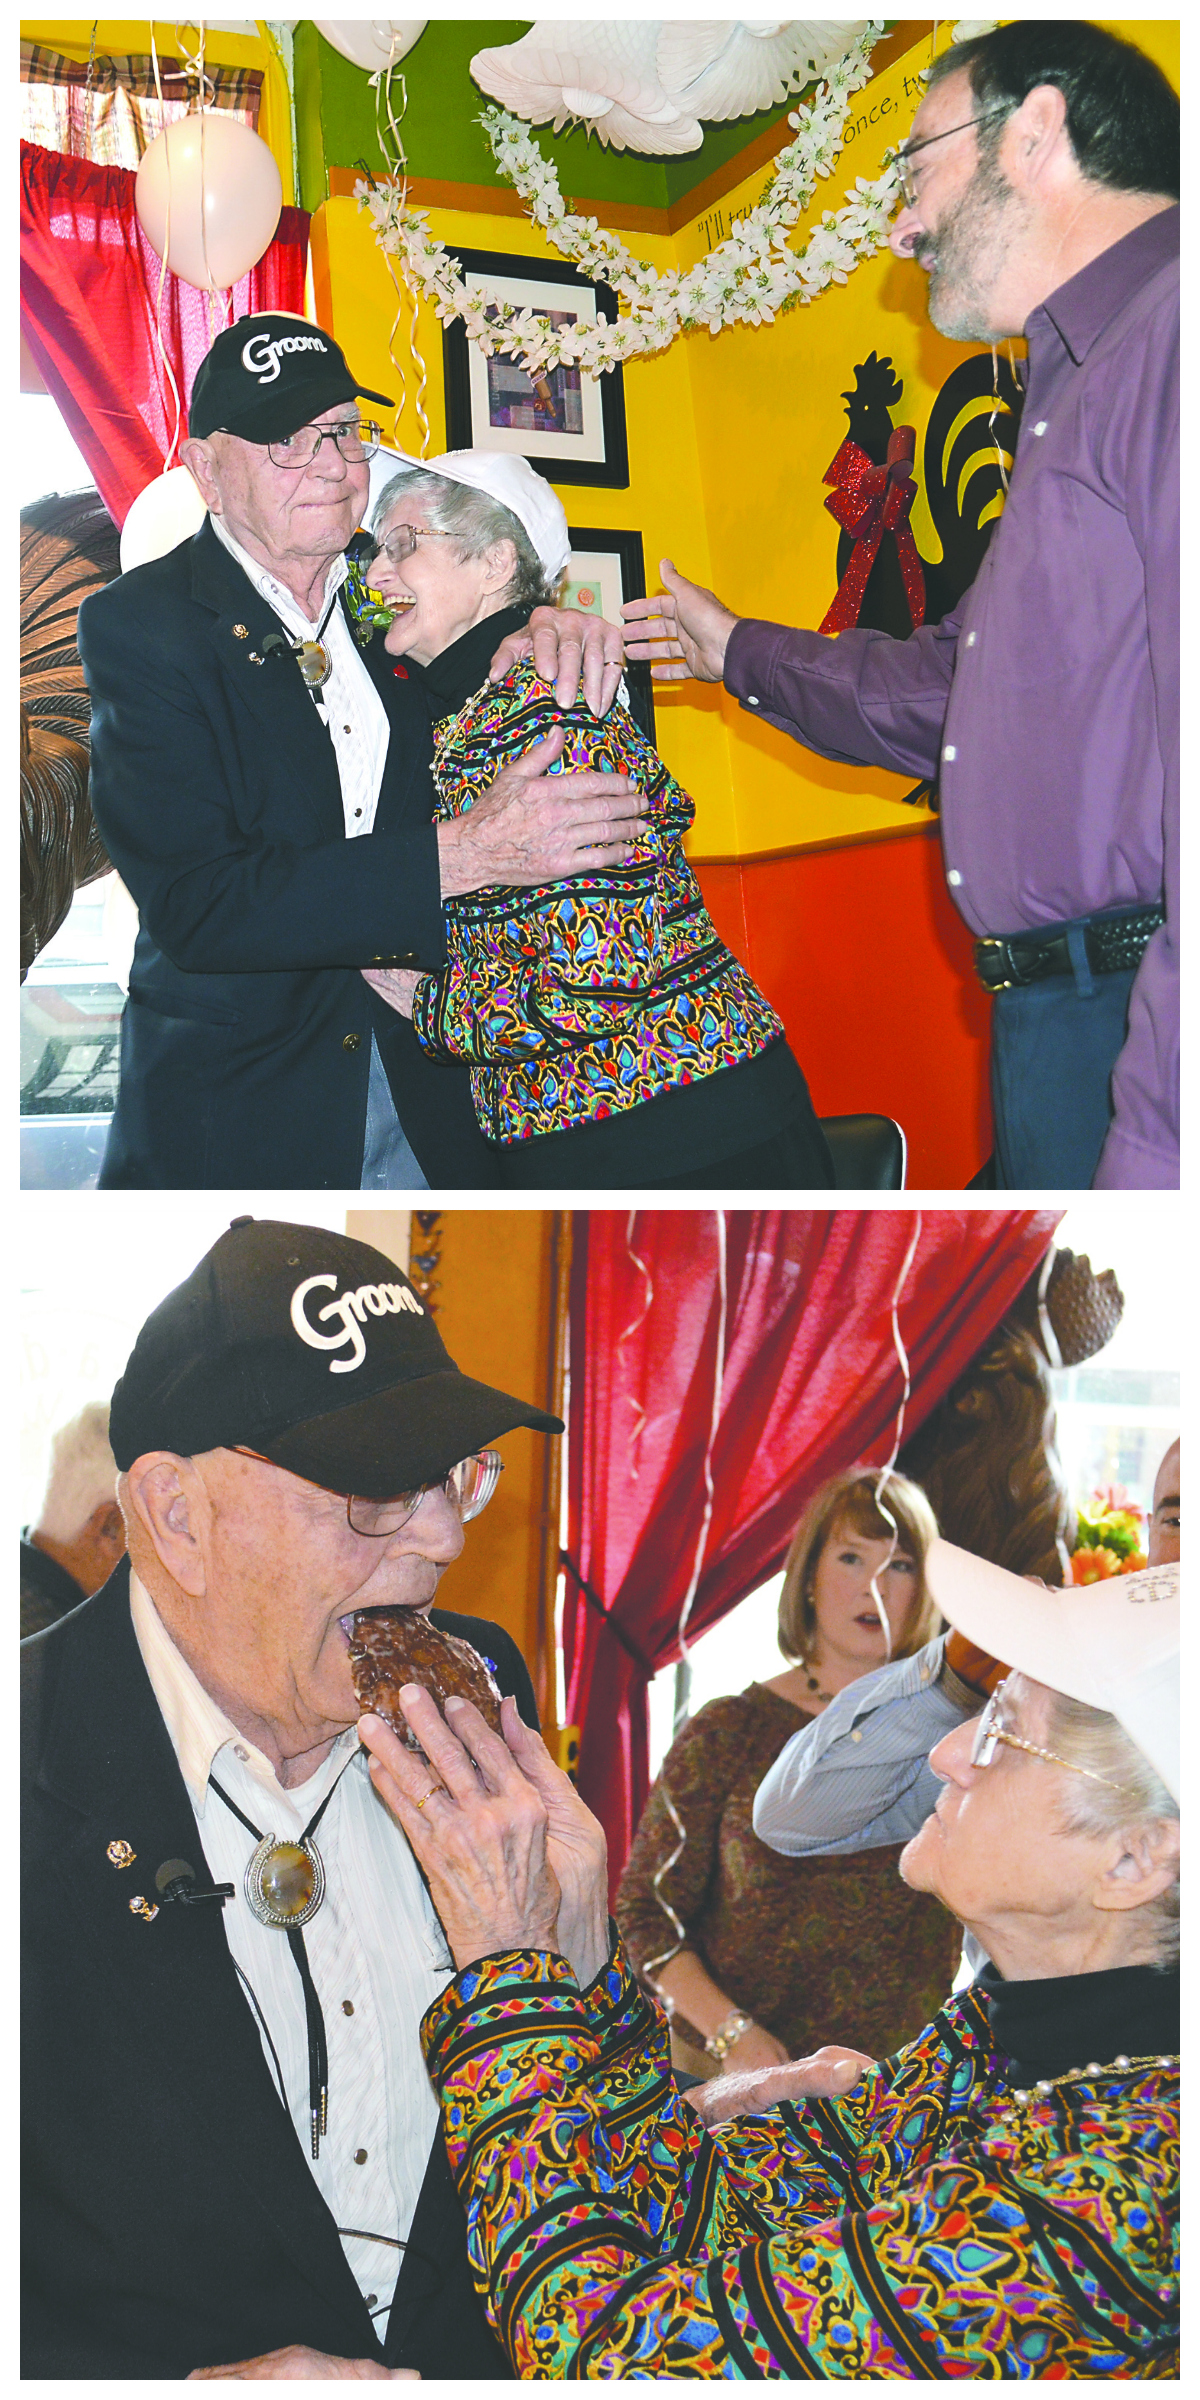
[(991, 1729), (402, 541)]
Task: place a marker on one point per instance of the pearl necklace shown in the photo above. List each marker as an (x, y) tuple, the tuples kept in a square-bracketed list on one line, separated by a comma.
[(1088, 2074)]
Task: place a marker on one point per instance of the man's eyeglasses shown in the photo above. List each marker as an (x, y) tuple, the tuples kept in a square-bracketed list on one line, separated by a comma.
[(991, 1730), (356, 437), (908, 182), (468, 1487), (403, 539)]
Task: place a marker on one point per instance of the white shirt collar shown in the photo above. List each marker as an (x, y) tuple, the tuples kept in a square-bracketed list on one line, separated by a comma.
[(197, 1724), (283, 601)]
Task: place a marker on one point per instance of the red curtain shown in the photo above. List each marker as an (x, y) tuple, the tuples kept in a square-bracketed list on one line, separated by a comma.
[(810, 1383), (89, 286)]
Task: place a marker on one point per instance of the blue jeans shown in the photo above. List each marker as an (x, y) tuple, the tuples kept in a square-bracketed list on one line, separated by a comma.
[(389, 1164), (1054, 1047)]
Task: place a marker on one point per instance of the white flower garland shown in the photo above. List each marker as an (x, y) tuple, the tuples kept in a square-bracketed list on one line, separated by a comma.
[(745, 281)]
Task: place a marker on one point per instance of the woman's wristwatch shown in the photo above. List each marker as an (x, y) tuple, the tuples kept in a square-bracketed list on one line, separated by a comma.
[(729, 2031)]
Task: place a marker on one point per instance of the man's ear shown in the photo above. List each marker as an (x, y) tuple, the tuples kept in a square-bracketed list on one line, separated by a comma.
[(168, 1499), (1143, 1865), (106, 1527), (1039, 134), (197, 458)]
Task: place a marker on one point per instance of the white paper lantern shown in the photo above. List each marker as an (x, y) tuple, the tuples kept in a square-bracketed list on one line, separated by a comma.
[(208, 195), (372, 42), (165, 514), (605, 76), (718, 69)]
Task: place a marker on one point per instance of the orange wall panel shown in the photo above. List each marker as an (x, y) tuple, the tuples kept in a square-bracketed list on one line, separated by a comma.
[(859, 949)]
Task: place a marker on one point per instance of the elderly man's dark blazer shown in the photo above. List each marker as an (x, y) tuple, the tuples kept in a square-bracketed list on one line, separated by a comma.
[(245, 1043), (171, 2220)]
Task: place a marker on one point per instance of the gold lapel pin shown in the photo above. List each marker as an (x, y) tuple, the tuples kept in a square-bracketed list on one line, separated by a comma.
[(139, 1906), (121, 1854), (241, 633)]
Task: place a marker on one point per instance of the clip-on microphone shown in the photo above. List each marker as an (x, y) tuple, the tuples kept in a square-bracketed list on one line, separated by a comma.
[(175, 1879)]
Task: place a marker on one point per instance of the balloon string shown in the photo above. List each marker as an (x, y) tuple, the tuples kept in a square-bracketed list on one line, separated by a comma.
[(664, 1957), (885, 1471), (162, 272), (634, 1325)]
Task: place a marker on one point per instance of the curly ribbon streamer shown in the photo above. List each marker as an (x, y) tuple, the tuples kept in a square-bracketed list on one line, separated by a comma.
[(632, 1327), (681, 1705), (381, 83), (868, 501), (885, 1471)]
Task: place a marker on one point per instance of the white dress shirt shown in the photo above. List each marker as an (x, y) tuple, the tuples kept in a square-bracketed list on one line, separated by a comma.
[(348, 703), (376, 1952)]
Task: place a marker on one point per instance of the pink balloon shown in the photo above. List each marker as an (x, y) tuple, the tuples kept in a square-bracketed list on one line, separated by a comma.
[(209, 194)]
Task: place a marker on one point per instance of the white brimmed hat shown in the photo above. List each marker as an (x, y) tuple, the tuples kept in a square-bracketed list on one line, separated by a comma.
[(1113, 1645), (514, 483)]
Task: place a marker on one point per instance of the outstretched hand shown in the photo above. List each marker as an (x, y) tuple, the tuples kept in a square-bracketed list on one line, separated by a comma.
[(828, 2074), (683, 630), (477, 1825)]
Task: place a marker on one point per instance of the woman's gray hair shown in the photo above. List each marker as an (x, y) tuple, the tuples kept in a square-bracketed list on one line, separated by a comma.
[(476, 521), (1091, 1738)]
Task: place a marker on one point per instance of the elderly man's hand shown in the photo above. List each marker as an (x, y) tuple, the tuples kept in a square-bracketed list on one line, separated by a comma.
[(297, 2364), (827, 2075), (568, 646), (531, 827), (478, 1830), (682, 631), (396, 985)]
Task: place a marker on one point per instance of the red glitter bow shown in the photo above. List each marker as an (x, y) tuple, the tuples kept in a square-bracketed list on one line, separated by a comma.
[(869, 501)]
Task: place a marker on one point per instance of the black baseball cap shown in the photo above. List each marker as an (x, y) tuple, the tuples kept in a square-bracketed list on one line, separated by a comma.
[(267, 375), (315, 1351)]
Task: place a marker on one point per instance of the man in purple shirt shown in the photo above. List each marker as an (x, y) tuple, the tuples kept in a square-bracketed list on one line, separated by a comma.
[(1040, 187)]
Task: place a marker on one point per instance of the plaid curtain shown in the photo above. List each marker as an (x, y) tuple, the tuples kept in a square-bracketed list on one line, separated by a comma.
[(109, 110)]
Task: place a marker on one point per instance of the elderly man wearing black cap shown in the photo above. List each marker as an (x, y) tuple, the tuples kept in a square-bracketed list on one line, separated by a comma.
[(235, 2166), (245, 733)]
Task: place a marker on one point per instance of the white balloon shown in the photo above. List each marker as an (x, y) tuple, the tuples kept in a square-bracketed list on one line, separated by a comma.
[(374, 42), (216, 186), (165, 514)]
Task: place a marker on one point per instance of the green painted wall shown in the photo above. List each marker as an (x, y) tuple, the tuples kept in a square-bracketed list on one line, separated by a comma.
[(335, 123)]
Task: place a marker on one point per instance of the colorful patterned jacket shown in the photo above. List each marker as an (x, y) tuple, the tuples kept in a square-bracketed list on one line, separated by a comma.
[(587, 996), (930, 2225)]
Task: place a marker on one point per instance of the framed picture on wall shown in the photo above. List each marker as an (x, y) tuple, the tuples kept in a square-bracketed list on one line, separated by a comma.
[(569, 425), (605, 568)]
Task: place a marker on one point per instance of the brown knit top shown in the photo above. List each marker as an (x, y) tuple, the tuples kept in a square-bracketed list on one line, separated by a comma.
[(815, 1949)]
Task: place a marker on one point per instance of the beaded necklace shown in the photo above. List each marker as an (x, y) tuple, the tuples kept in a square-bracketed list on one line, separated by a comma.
[(1118, 2066)]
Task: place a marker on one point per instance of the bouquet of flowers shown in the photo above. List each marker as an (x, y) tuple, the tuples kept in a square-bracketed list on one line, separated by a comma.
[(1108, 1537)]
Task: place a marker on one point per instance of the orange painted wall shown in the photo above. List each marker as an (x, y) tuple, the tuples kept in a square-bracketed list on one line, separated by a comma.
[(858, 947)]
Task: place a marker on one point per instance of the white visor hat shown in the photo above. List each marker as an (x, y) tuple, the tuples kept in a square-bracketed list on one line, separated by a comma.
[(516, 485), (1113, 1645)]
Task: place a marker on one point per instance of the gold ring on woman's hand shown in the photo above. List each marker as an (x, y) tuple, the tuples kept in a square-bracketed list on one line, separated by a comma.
[(434, 1787)]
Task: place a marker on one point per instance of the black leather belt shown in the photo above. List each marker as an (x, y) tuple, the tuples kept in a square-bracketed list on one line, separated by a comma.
[(1112, 942)]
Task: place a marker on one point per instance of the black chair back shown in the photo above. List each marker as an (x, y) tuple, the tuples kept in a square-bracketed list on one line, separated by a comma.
[(869, 1153)]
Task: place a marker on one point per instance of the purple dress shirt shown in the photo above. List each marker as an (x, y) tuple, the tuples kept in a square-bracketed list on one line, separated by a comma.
[(1047, 705)]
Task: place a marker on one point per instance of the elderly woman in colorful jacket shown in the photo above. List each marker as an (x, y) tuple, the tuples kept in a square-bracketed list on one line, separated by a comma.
[(612, 1038), (997, 2200)]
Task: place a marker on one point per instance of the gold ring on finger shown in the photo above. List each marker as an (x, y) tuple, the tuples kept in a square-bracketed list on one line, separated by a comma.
[(428, 1797)]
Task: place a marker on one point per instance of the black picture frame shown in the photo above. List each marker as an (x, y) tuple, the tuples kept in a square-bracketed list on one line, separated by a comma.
[(625, 547), (504, 268)]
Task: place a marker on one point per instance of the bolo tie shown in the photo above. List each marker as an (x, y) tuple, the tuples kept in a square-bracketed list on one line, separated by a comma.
[(284, 1886), (311, 657)]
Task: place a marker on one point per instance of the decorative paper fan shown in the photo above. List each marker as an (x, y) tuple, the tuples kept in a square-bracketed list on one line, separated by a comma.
[(724, 68), (604, 75)]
